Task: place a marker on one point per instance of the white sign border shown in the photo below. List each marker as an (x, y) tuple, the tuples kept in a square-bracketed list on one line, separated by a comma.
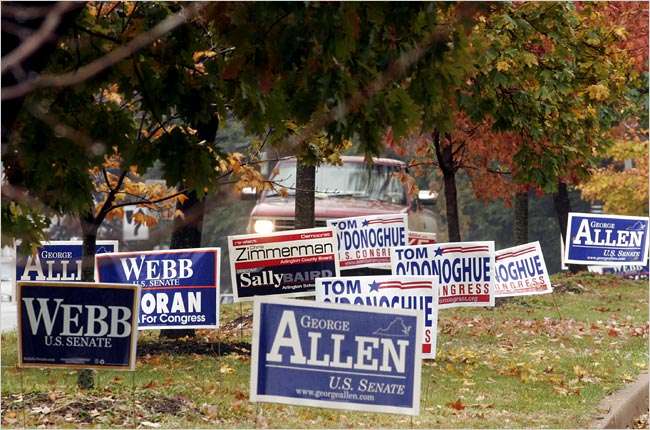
[(417, 373)]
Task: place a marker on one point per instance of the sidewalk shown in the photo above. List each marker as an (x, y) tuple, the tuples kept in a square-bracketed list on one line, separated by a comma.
[(8, 316)]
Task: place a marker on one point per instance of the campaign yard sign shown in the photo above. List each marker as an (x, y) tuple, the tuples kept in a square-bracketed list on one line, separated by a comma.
[(282, 263), (606, 239), (421, 238), (58, 260), (393, 292), (463, 271), (336, 356), (366, 241), (521, 271), (180, 287), (77, 325)]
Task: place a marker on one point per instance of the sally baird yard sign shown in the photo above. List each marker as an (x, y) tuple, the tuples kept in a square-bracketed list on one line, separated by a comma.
[(463, 271), (366, 241), (606, 239), (180, 288), (521, 271), (77, 325), (286, 263), (336, 356), (396, 292)]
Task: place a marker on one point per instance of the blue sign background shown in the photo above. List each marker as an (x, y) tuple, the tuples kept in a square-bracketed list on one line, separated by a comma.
[(57, 350), (329, 386), (62, 269), (161, 293), (606, 239)]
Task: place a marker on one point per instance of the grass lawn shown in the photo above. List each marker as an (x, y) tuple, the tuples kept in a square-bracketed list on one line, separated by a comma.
[(542, 361)]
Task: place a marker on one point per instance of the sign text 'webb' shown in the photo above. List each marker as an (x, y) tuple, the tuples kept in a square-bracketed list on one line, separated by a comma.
[(338, 356), (179, 287)]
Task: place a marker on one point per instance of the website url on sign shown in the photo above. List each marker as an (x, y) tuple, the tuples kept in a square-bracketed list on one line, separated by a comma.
[(333, 395)]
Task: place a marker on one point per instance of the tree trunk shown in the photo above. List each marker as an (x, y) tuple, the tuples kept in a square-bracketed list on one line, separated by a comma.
[(520, 225), (89, 227), (445, 156), (562, 208), (187, 234), (305, 200)]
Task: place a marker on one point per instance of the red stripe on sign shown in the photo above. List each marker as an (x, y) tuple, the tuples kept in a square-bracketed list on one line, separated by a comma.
[(463, 250), (284, 261), (282, 238), (405, 283), (365, 261), (426, 348), (514, 254), (400, 287)]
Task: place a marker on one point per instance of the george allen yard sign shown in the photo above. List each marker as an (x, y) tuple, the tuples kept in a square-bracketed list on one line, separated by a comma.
[(77, 325), (366, 241), (463, 271), (336, 356), (606, 239), (180, 288), (397, 292), (283, 263)]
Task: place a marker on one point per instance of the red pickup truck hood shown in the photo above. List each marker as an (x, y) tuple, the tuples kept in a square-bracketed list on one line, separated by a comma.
[(338, 207)]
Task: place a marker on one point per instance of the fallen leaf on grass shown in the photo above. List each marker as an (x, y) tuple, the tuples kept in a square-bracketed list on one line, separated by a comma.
[(150, 384), (457, 405), (226, 370)]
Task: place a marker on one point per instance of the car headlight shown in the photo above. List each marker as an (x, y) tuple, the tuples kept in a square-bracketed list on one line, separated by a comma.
[(262, 226)]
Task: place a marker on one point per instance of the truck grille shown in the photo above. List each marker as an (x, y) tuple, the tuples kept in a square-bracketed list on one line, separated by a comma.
[(288, 224)]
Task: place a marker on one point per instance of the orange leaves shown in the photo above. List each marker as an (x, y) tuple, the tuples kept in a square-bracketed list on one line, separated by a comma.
[(457, 405)]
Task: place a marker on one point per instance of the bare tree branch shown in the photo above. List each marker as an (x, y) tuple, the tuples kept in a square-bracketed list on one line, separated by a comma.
[(113, 57), (37, 39)]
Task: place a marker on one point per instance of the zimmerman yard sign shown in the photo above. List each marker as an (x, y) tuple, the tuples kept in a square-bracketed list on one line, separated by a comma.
[(463, 271), (606, 239), (396, 292), (180, 288), (77, 325), (366, 241), (521, 271), (336, 356), (285, 263)]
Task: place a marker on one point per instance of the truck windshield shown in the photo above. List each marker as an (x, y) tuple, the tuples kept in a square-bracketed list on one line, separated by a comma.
[(349, 180)]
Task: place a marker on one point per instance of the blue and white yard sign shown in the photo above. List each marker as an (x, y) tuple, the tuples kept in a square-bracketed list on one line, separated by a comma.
[(366, 241), (521, 271), (606, 239), (396, 292), (58, 260), (77, 325), (336, 356), (180, 287)]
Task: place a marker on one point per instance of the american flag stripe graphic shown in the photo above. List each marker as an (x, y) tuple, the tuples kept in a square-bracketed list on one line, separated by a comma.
[(464, 249), (384, 221), (405, 285), (515, 254)]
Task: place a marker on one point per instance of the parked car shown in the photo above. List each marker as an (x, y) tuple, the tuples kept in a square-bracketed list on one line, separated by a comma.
[(352, 189)]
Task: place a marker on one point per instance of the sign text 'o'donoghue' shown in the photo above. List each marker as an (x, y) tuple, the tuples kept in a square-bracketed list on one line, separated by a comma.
[(337, 356), (282, 263), (180, 287), (521, 271), (58, 260), (77, 325), (397, 292), (366, 241), (606, 239), (463, 271)]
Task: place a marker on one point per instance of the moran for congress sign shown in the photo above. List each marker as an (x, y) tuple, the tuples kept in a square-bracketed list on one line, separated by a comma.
[(366, 241), (58, 260), (463, 271), (394, 292), (180, 287), (606, 239), (77, 325), (336, 356), (283, 263), (521, 271)]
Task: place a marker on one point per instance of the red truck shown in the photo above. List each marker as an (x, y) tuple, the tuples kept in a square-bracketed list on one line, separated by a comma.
[(352, 189)]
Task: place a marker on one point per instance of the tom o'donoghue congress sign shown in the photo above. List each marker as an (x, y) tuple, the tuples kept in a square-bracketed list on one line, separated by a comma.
[(396, 292), (606, 239), (463, 271), (282, 263), (521, 271), (336, 356), (77, 325)]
